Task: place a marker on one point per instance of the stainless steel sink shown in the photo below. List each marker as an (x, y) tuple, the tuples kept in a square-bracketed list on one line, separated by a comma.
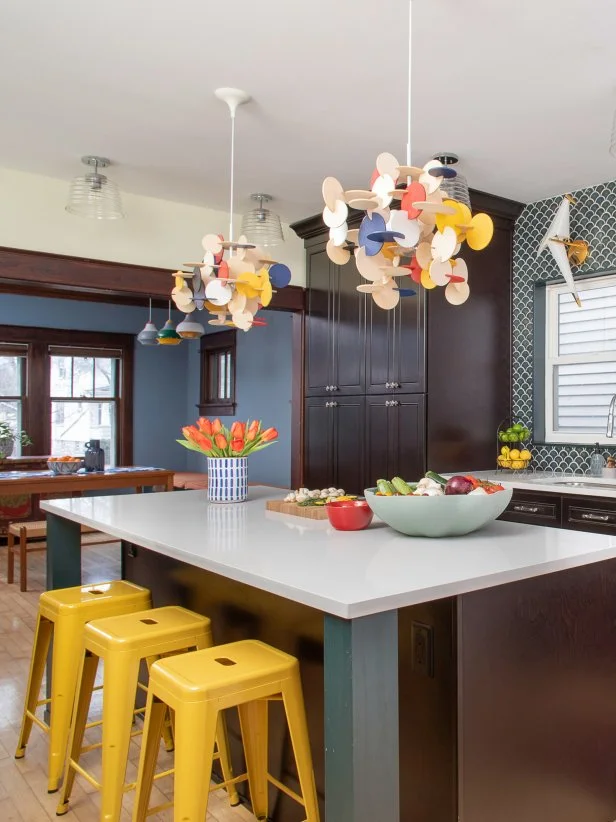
[(581, 484)]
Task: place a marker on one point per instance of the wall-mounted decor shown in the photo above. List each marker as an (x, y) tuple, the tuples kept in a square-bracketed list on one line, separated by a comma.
[(421, 239), (231, 289), (566, 252)]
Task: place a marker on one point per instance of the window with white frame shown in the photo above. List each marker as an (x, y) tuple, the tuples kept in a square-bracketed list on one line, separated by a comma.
[(580, 360)]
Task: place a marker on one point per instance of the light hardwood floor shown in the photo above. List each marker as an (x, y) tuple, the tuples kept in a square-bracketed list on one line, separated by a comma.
[(23, 785)]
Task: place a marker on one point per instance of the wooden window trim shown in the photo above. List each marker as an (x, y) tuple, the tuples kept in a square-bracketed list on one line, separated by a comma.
[(220, 341), (36, 420)]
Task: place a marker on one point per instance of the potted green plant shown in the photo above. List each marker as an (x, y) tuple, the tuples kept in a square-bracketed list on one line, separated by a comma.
[(8, 437)]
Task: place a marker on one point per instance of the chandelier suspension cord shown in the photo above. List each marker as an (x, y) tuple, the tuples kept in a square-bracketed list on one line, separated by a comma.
[(410, 73), (232, 176)]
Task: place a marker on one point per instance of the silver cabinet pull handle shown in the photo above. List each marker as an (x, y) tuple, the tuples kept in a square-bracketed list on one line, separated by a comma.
[(395, 402), (596, 517), (526, 509), (395, 385), (387, 385), (328, 388), (334, 405), (334, 388), (387, 403)]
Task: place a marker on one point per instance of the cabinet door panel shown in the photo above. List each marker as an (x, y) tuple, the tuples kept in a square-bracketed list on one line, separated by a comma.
[(379, 334), (348, 451), (318, 428), (407, 348), (348, 331), (318, 323), (408, 457), (378, 449)]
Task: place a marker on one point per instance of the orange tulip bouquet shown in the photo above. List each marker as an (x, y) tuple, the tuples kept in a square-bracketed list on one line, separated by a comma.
[(227, 450)]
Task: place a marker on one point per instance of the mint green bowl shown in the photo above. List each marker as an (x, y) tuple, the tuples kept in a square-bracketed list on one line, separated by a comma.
[(446, 516)]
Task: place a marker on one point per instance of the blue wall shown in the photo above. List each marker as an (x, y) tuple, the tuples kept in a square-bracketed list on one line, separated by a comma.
[(160, 372), (166, 388), (263, 391)]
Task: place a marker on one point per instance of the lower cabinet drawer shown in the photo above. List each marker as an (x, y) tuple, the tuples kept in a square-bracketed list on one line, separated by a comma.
[(590, 514), (534, 509)]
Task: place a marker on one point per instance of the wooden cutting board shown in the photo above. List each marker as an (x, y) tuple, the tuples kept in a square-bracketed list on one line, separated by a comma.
[(282, 507)]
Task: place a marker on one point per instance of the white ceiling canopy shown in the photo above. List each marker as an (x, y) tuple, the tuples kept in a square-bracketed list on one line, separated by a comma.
[(523, 91)]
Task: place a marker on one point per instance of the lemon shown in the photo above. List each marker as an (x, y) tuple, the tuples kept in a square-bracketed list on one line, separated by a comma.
[(506, 463), (525, 455), (517, 464), (514, 454), (505, 451)]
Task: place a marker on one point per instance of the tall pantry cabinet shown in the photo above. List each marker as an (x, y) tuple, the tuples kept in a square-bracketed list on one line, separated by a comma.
[(424, 385)]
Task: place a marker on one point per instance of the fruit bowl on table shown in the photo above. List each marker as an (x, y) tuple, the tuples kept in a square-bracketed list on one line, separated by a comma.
[(62, 467), (439, 516)]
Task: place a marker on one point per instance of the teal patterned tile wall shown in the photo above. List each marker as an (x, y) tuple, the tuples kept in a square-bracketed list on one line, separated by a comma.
[(593, 218)]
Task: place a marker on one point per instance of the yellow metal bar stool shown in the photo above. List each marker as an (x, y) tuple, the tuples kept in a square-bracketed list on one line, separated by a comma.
[(62, 615), (123, 642), (197, 687)]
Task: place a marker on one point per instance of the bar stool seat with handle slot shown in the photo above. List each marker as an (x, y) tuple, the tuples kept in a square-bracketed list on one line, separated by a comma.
[(123, 642), (198, 687), (62, 615)]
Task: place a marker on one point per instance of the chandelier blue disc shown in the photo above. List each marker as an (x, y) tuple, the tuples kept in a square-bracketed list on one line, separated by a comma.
[(383, 236), (368, 227), (406, 292), (280, 275), (443, 171)]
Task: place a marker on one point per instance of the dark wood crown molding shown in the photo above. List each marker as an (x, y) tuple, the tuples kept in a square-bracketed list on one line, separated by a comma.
[(499, 207), (42, 274)]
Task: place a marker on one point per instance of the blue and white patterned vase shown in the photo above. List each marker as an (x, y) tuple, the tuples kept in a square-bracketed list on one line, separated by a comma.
[(227, 479)]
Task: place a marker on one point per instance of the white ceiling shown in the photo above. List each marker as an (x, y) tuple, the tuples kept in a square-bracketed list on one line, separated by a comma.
[(523, 90)]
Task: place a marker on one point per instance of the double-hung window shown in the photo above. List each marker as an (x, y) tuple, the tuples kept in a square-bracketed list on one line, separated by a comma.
[(13, 398), (84, 400), (580, 360), (67, 387)]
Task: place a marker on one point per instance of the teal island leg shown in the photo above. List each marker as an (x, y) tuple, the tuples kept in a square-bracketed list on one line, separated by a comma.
[(63, 552), (362, 766)]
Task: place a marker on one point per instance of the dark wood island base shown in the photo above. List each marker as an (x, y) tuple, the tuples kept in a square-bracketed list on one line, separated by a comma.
[(507, 696)]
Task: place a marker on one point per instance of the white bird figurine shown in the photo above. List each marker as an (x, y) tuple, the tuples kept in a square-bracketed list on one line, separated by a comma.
[(564, 251)]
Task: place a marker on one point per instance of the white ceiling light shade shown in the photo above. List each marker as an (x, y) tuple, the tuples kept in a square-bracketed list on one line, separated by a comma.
[(262, 226), (456, 187), (94, 195)]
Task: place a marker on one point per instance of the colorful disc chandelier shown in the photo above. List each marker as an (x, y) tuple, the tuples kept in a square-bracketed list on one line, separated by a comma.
[(421, 239), (234, 279)]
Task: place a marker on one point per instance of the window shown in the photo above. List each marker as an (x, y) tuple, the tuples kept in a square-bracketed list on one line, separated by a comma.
[(84, 396), (13, 388), (217, 395), (67, 387), (580, 360)]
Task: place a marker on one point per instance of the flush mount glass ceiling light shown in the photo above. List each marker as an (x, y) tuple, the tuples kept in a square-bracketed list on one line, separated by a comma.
[(235, 288), (456, 187), (149, 333), (94, 195), (420, 240), (261, 226)]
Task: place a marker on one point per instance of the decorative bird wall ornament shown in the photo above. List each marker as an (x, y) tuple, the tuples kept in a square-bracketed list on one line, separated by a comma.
[(566, 252)]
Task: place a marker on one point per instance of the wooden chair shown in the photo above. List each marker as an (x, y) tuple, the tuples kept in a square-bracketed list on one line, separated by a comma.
[(25, 531)]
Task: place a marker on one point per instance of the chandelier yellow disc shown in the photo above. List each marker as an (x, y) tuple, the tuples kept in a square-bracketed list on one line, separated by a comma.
[(480, 232), (426, 280), (461, 217)]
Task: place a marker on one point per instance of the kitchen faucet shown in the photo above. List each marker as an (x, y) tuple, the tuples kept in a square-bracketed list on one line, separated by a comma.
[(610, 418)]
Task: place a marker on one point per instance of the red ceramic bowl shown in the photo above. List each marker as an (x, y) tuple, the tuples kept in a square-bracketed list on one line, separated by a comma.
[(349, 515)]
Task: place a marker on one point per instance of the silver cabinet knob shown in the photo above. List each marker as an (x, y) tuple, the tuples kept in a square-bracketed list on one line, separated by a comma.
[(395, 385), (387, 403), (334, 404), (395, 402), (387, 385), (333, 387), (328, 388)]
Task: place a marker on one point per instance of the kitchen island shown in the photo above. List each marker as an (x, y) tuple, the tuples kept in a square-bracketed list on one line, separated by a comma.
[(478, 673)]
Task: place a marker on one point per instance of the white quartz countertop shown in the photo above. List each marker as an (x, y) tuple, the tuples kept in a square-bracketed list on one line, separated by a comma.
[(549, 482), (348, 574)]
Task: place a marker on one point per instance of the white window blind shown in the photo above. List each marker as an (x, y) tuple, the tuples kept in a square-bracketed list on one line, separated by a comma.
[(580, 360)]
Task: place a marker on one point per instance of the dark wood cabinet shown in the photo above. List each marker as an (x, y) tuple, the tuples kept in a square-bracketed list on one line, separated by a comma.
[(395, 443), (335, 328), (334, 441), (457, 357), (534, 509), (575, 513)]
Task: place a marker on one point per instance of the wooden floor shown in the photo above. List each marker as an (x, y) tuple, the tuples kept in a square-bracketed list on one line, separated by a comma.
[(23, 783)]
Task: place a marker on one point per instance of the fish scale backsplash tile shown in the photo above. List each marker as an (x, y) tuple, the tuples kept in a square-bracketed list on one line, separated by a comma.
[(593, 218)]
